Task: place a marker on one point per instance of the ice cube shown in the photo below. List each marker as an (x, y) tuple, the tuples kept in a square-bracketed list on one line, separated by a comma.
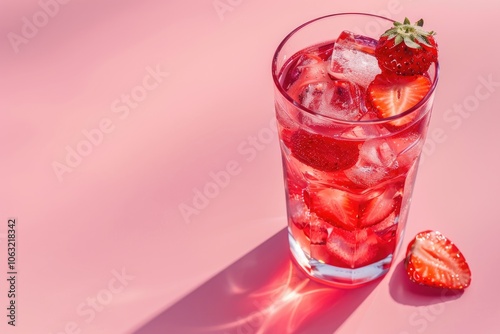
[(353, 59), (377, 152), (376, 159), (353, 248), (364, 131), (339, 99), (299, 213), (317, 231), (310, 69), (408, 149)]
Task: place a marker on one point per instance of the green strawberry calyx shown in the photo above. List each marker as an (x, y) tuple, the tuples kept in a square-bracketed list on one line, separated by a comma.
[(413, 35)]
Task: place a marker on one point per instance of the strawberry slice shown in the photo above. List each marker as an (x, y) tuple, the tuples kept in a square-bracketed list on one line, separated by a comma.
[(324, 153), (391, 95), (433, 260), (334, 206), (377, 209), (343, 210)]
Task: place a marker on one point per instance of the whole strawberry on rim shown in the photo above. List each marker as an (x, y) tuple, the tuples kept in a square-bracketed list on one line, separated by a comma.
[(406, 49)]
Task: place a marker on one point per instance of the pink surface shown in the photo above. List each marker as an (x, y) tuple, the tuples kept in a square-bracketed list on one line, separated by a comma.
[(166, 100)]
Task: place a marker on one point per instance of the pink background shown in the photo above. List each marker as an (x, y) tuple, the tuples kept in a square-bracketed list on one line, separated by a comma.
[(103, 246)]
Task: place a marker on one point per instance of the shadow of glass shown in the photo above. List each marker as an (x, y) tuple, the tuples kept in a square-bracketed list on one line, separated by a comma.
[(406, 292), (263, 292)]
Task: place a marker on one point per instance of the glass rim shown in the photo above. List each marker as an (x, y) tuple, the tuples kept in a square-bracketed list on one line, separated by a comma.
[(284, 93)]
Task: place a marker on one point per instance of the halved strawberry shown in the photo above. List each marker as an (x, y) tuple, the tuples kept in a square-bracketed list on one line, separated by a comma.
[(433, 260), (391, 95), (323, 153)]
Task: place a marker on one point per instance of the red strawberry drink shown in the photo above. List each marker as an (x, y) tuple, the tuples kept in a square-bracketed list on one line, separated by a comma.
[(353, 105)]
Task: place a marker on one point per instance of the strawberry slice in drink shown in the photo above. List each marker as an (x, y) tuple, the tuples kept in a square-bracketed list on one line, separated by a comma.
[(323, 153), (335, 206), (348, 211), (391, 95), (379, 207)]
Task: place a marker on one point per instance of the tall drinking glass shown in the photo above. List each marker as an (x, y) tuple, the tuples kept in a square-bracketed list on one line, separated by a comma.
[(348, 172)]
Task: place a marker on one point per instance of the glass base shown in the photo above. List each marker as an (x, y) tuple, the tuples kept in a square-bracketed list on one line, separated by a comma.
[(337, 276)]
